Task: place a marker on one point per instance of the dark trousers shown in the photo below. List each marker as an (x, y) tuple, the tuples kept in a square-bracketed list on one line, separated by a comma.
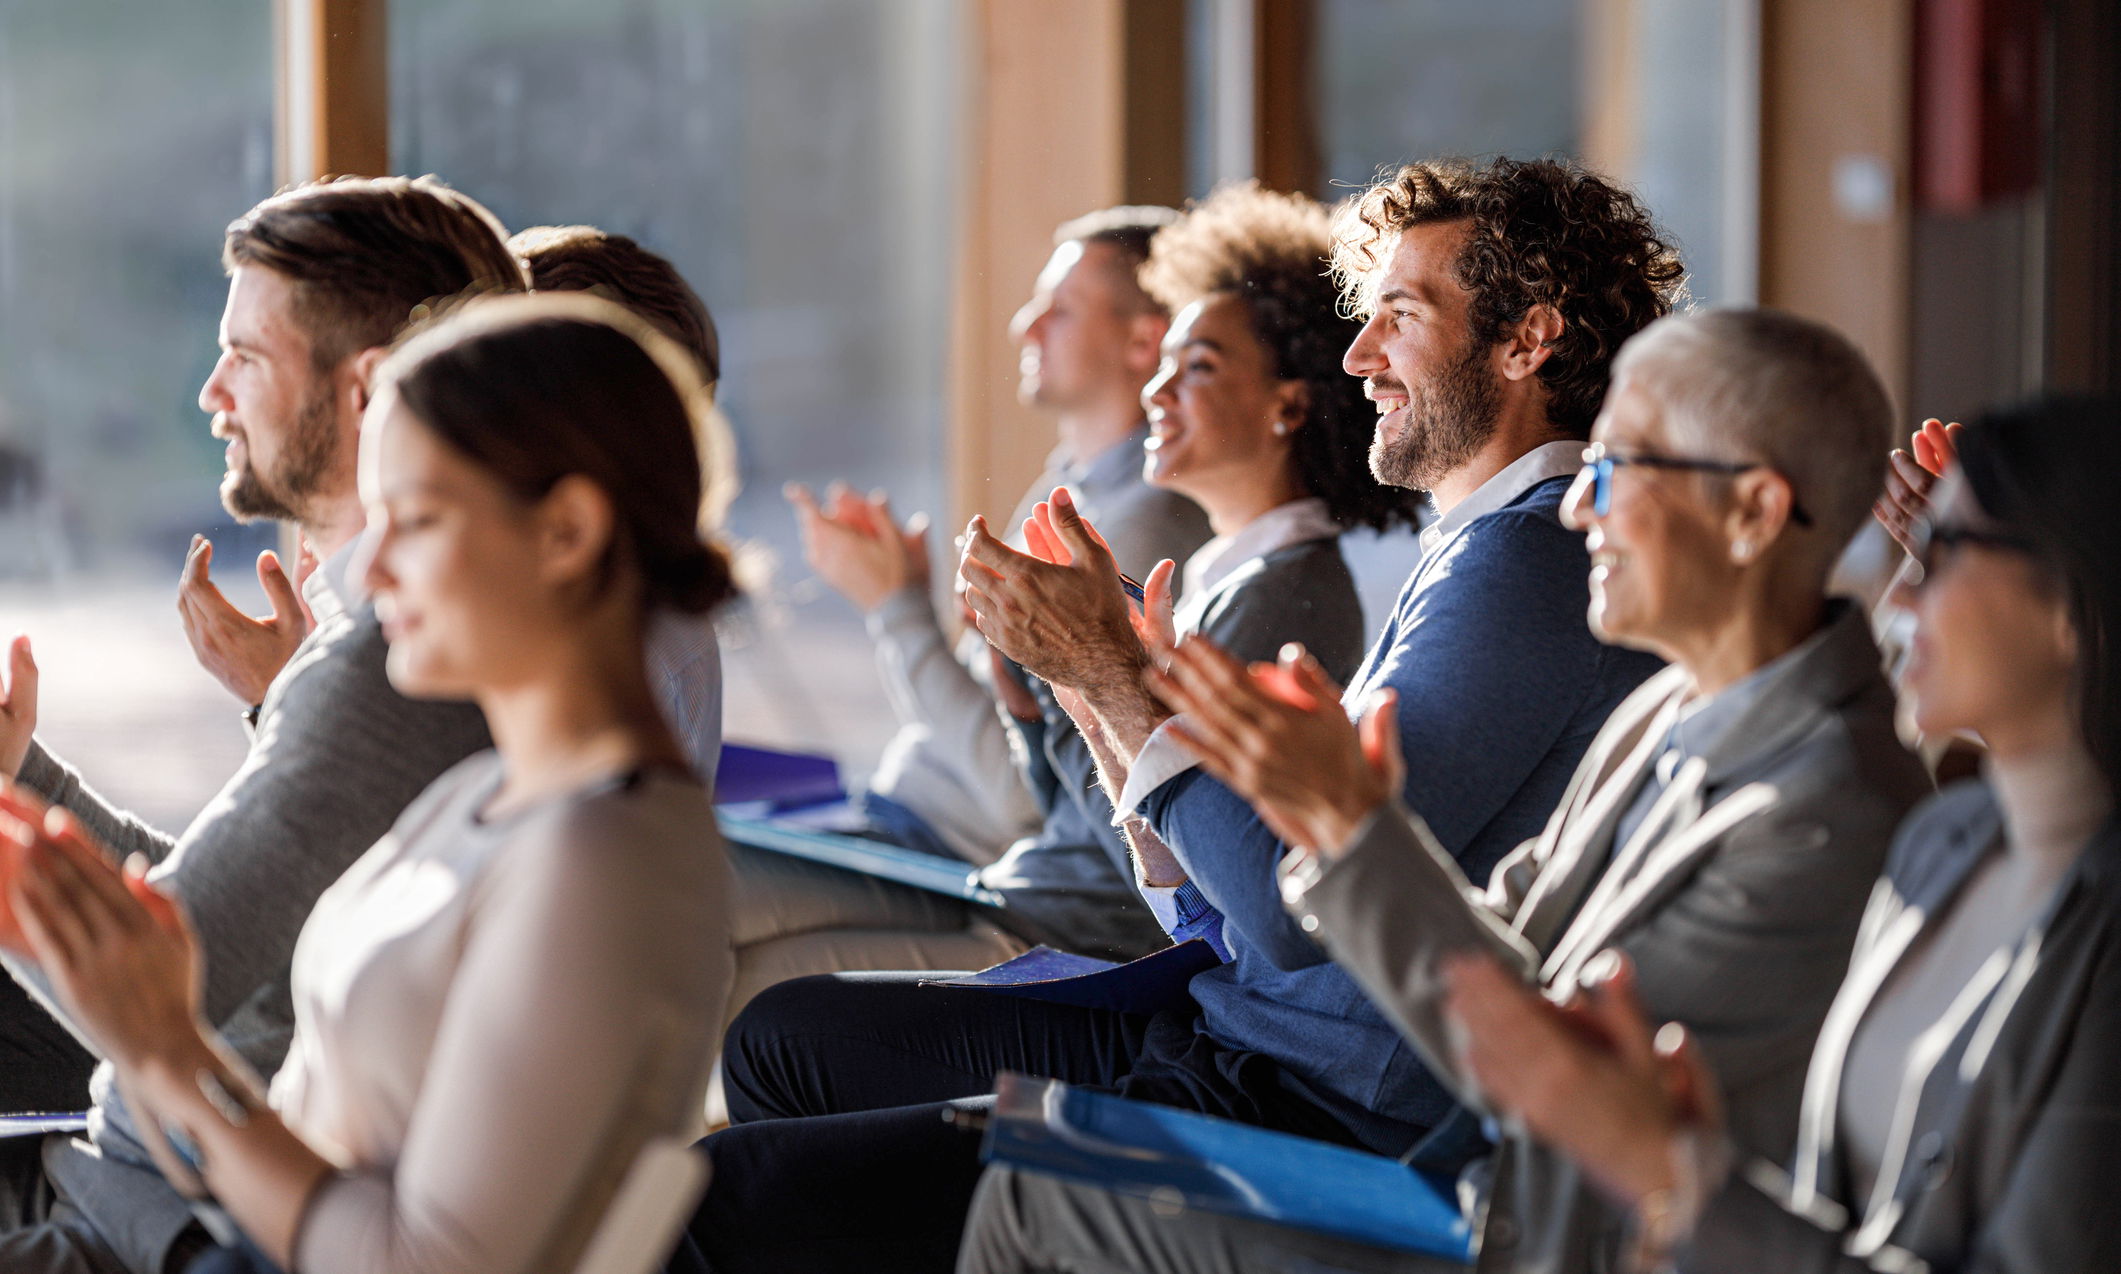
[(841, 1156), (42, 1067)]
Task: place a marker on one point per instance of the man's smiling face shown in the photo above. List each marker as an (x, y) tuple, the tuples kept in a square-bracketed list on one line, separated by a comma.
[(1438, 394)]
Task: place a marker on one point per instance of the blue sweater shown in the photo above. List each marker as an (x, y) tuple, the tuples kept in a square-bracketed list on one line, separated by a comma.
[(1501, 688)]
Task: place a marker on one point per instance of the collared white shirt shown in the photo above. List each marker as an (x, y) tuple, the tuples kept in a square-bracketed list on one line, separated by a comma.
[(1297, 522), (1547, 460), (330, 590), (1164, 758)]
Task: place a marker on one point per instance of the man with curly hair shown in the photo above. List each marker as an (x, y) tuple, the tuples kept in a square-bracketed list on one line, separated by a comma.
[(1492, 300)]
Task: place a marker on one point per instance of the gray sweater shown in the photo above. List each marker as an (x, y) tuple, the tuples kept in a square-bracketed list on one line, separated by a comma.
[(337, 756)]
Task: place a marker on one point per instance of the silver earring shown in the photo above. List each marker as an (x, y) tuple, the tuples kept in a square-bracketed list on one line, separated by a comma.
[(1281, 428), (1742, 551)]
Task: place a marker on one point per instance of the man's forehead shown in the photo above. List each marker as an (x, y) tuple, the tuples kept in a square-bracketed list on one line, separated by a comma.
[(1422, 260), (1064, 259), (261, 306)]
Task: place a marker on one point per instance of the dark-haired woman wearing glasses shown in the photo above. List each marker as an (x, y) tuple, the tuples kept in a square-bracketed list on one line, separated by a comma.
[(1963, 1101)]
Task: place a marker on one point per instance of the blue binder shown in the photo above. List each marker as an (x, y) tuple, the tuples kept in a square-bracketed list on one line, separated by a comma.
[(1158, 1152)]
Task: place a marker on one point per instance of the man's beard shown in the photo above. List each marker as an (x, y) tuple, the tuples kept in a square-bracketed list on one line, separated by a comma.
[(285, 494), (1449, 419)]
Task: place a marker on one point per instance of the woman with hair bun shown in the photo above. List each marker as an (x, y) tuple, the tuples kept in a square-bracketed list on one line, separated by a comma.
[(511, 994)]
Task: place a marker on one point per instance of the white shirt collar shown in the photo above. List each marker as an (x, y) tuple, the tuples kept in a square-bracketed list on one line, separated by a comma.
[(1276, 529), (1548, 460), (328, 590)]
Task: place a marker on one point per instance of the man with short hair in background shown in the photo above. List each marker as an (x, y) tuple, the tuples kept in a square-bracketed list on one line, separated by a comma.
[(1088, 339), (321, 279)]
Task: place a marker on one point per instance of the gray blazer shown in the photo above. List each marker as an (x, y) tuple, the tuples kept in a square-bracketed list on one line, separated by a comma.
[(1740, 914), (2015, 1146)]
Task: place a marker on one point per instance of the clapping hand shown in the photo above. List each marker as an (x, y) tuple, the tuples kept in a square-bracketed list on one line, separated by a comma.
[(242, 653), (1154, 623), (118, 952), (1277, 735), (856, 545), (1065, 619), (1587, 1077), (18, 707), (1909, 478)]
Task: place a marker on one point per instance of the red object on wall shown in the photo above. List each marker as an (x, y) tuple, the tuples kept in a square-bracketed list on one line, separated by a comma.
[(1978, 133)]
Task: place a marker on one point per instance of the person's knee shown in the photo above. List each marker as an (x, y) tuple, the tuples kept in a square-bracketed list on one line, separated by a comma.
[(759, 1055)]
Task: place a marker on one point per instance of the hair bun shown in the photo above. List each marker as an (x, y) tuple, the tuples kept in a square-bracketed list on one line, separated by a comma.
[(692, 579)]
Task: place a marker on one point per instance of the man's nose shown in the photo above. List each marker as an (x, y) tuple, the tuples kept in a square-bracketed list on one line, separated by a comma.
[(1365, 354), (213, 397)]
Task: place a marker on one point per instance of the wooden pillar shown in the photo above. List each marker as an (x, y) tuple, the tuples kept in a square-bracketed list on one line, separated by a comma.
[(1286, 139), (333, 80), (1611, 111), (1836, 112), (1071, 105), (2083, 319)]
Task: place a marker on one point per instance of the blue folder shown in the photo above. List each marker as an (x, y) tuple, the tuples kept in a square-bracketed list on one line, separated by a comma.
[(792, 803), (881, 859), (38, 1124), (1160, 1153), (1154, 982), (785, 780)]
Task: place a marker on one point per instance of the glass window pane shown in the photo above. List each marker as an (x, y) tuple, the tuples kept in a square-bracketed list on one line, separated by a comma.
[(795, 159), (131, 132), (1419, 78)]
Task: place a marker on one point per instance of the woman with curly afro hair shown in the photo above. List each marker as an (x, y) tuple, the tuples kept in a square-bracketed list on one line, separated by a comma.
[(1252, 418)]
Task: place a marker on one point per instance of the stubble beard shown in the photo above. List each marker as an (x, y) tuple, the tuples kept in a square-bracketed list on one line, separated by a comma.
[(1449, 418), (288, 493)]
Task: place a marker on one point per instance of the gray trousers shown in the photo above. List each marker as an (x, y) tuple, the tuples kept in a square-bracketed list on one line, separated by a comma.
[(1026, 1223), (43, 1232)]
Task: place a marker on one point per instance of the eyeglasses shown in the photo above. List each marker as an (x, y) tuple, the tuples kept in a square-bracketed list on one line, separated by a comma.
[(1928, 541), (1600, 463)]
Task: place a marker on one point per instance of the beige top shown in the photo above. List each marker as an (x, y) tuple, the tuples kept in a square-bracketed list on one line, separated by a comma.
[(491, 1018), (2051, 807)]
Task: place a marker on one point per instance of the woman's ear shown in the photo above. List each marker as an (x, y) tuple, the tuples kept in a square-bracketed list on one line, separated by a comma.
[(1292, 406), (575, 525), (1761, 502)]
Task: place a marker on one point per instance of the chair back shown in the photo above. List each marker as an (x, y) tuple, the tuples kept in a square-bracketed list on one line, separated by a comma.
[(649, 1211)]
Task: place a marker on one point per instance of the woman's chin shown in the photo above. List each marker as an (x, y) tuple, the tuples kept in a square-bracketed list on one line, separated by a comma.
[(415, 678)]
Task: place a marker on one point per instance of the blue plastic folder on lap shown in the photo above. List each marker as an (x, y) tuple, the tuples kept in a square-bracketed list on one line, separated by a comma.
[(792, 803), (37, 1125), (1157, 1152), (1154, 982)]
